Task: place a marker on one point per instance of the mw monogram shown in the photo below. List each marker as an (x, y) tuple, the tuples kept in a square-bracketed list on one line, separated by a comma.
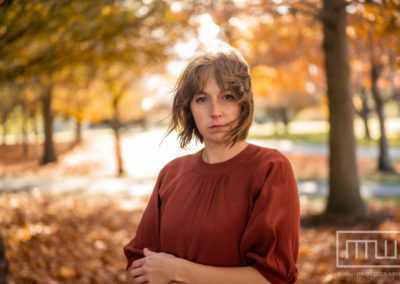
[(365, 248)]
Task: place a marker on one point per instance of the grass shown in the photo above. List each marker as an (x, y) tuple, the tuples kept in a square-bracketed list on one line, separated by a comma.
[(319, 138), (322, 138), (387, 200), (372, 177), (382, 178)]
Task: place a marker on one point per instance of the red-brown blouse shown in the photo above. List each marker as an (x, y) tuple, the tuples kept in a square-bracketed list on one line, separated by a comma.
[(240, 212)]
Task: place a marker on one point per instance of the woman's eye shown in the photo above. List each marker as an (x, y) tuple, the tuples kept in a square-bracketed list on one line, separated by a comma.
[(228, 97), (200, 99)]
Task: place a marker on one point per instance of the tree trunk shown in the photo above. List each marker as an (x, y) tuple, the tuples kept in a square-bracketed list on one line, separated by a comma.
[(35, 128), (116, 130), (3, 263), (24, 140), (120, 167), (78, 131), (49, 154), (276, 126), (364, 114), (384, 164), (393, 72), (344, 195), (4, 134), (284, 115)]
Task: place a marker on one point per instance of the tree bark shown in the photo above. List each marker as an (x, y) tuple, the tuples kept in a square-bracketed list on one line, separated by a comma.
[(344, 194), (364, 113), (118, 154), (3, 263), (284, 115), (384, 163), (116, 129), (49, 154), (4, 118), (78, 131), (24, 133), (35, 128)]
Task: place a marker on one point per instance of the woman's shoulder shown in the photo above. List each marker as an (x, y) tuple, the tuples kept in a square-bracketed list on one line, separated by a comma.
[(271, 166), (266, 161), (264, 155), (186, 162)]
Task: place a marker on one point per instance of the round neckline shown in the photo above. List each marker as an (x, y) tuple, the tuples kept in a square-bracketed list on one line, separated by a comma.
[(225, 166)]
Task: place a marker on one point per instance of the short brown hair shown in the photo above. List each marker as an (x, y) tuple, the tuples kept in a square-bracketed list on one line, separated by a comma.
[(231, 72)]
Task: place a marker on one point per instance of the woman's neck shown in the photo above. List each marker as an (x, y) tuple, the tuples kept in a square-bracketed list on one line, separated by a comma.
[(217, 153)]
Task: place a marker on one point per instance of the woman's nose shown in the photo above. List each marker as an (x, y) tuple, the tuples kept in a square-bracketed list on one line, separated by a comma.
[(216, 109)]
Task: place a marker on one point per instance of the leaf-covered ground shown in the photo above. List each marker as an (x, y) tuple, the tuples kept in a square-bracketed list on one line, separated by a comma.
[(78, 237), (67, 238)]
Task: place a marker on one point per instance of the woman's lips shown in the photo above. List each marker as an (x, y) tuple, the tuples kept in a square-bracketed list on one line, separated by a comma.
[(218, 127)]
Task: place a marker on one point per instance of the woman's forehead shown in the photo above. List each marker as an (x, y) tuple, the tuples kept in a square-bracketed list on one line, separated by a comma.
[(205, 75)]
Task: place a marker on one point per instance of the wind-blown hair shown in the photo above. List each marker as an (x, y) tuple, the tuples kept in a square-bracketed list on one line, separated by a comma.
[(232, 73)]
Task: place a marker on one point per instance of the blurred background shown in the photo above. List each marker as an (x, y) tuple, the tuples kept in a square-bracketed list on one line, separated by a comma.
[(85, 96)]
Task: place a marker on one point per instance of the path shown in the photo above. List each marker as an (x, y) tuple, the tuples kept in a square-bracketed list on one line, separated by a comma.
[(148, 157)]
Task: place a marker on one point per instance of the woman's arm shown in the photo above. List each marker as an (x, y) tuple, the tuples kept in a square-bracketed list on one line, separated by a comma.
[(194, 273), (166, 268)]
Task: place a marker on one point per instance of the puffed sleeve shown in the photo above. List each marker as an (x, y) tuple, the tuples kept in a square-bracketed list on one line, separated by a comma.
[(270, 242), (148, 231)]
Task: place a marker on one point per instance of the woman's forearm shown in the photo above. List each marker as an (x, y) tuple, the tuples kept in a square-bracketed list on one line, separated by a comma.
[(194, 273), (180, 270)]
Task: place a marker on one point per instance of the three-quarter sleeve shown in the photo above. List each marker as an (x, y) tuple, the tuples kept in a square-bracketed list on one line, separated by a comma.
[(270, 241), (148, 231)]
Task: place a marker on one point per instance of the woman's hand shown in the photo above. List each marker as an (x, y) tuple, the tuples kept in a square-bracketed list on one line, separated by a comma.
[(154, 268)]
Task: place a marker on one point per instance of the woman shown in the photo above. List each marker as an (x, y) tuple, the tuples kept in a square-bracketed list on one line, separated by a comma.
[(228, 213)]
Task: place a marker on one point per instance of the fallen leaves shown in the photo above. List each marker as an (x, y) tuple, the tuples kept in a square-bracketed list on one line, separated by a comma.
[(66, 238), (78, 238)]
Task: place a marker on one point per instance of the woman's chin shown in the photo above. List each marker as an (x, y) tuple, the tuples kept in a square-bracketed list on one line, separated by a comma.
[(216, 139)]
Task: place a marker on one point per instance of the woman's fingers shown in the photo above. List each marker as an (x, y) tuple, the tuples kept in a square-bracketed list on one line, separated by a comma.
[(141, 279), (151, 268), (148, 252), (137, 272), (137, 263)]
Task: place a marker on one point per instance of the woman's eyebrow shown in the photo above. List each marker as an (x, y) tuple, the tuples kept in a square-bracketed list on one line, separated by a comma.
[(202, 93), (221, 92)]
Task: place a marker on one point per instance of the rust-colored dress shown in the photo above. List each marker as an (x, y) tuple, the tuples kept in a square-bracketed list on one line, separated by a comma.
[(240, 212)]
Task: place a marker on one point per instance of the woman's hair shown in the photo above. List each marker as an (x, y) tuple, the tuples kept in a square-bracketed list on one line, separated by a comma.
[(232, 73)]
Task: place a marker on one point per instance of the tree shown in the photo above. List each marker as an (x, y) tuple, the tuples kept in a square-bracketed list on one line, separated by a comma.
[(117, 85), (26, 108), (284, 90), (49, 154), (54, 35), (363, 110), (8, 104), (374, 28), (73, 97), (344, 195), (376, 70)]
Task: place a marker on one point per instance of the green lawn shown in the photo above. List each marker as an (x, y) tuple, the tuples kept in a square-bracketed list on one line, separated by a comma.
[(303, 137), (372, 177), (322, 138), (382, 178)]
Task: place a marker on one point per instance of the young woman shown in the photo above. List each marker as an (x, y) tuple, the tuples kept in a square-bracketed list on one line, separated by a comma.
[(228, 213)]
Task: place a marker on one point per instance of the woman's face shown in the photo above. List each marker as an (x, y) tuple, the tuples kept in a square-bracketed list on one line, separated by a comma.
[(215, 112)]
